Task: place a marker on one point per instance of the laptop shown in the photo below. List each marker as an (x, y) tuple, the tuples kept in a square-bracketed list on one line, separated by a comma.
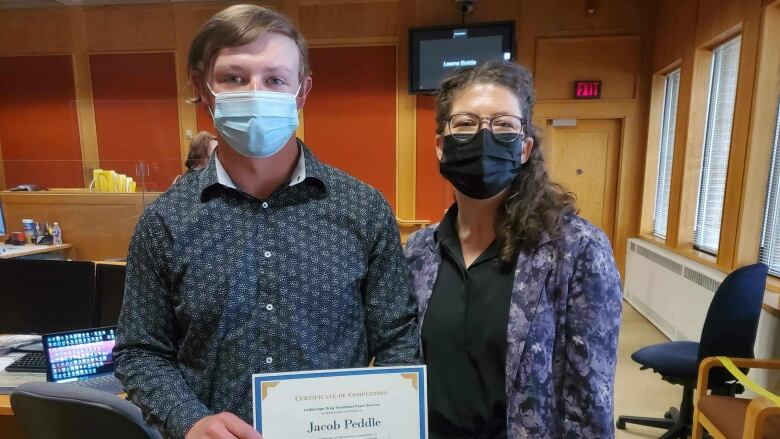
[(82, 358)]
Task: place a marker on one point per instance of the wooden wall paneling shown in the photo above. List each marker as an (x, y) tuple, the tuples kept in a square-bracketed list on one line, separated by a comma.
[(291, 9), (720, 18), (697, 91), (437, 12), (559, 18), (34, 31), (718, 28), (99, 226), (326, 21), (405, 123), (3, 185), (434, 194), (675, 31), (680, 35), (759, 157), (130, 28), (740, 133), (84, 105), (612, 59)]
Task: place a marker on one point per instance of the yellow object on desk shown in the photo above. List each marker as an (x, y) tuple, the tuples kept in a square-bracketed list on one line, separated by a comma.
[(109, 181)]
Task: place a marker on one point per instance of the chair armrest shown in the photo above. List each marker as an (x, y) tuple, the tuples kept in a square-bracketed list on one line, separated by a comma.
[(702, 380), (755, 363), (757, 412), (709, 363)]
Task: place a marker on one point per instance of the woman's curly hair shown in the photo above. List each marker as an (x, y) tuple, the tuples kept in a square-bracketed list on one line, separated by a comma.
[(535, 204)]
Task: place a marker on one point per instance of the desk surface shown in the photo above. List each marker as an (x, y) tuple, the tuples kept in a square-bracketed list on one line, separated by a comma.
[(13, 379), (5, 405), (16, 251)]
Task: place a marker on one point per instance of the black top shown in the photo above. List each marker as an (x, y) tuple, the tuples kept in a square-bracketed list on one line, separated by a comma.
[(221, 285), (464, 338)]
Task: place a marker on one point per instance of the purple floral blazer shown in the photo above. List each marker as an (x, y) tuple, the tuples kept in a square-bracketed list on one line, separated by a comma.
[(562, 335)]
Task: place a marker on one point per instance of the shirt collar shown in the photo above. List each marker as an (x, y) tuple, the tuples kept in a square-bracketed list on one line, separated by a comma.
[(222, 176), (447, 229), (308, 168), (298, 175), (447, 236)]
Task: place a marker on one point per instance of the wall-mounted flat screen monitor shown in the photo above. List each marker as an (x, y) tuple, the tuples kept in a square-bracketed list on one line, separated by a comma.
[(437, 51)]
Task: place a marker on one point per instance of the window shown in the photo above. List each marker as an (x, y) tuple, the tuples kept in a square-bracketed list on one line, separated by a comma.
[(769, 252), (665, 153), (717, 139)]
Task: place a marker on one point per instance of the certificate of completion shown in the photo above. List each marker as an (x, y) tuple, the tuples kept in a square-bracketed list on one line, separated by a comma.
[(368, 403)]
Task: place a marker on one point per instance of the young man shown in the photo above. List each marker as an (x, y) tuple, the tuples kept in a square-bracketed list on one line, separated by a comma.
[(266, 261)]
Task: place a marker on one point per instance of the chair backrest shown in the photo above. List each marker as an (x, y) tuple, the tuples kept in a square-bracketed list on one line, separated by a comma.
[(732, 319), (50, 410)]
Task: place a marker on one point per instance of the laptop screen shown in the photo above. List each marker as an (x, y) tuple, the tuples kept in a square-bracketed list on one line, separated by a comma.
[(2, 222), (78, 355)]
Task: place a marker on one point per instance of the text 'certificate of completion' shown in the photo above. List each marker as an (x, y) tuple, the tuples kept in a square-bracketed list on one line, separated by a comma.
[(369, 403)]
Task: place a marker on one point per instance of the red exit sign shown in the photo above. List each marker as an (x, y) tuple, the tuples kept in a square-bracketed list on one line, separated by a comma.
[(587, 89)]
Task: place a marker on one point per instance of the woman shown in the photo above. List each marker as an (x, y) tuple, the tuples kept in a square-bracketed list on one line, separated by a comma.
[(519, 298), (201, 148)]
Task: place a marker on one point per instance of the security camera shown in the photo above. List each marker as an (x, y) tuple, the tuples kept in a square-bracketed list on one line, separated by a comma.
[(466, 6)]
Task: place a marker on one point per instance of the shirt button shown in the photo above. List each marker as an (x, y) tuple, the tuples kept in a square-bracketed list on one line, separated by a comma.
[(267, 254), (269, 360), (265, 205), (269, 307)]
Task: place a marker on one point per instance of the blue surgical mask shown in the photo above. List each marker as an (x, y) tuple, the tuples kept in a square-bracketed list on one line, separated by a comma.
[(255, 123)]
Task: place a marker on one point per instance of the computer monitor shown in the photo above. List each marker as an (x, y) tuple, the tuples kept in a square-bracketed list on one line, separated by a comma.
[(44, 296), (435, 52), (110, 291)]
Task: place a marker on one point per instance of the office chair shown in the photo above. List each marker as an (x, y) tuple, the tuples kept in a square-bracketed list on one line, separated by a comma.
[(59, 411), (729, 330)]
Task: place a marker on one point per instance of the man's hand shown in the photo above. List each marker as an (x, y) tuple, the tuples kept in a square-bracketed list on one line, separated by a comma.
[(222, 426)]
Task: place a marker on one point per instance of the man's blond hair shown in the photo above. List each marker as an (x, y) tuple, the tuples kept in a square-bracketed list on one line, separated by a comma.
[(236, 26)]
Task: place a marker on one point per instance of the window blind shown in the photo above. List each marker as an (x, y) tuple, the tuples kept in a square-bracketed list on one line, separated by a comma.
[(717, 139), (665, 153), (769, 252)]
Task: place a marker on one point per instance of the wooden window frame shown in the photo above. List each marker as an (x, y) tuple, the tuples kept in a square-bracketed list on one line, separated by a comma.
[(759, 153), (658, 86)]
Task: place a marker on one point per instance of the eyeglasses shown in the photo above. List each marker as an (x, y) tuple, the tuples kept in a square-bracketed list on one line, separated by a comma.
[(504, 127)]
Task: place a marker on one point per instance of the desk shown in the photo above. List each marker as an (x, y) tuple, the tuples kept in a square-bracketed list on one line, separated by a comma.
[(9, 428), (98, 224), (32, 251)]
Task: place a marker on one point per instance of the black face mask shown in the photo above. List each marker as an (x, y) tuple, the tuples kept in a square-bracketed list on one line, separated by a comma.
[(481, 167)]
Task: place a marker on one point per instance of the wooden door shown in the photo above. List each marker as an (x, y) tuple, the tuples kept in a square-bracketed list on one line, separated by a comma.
[(584, 160)]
